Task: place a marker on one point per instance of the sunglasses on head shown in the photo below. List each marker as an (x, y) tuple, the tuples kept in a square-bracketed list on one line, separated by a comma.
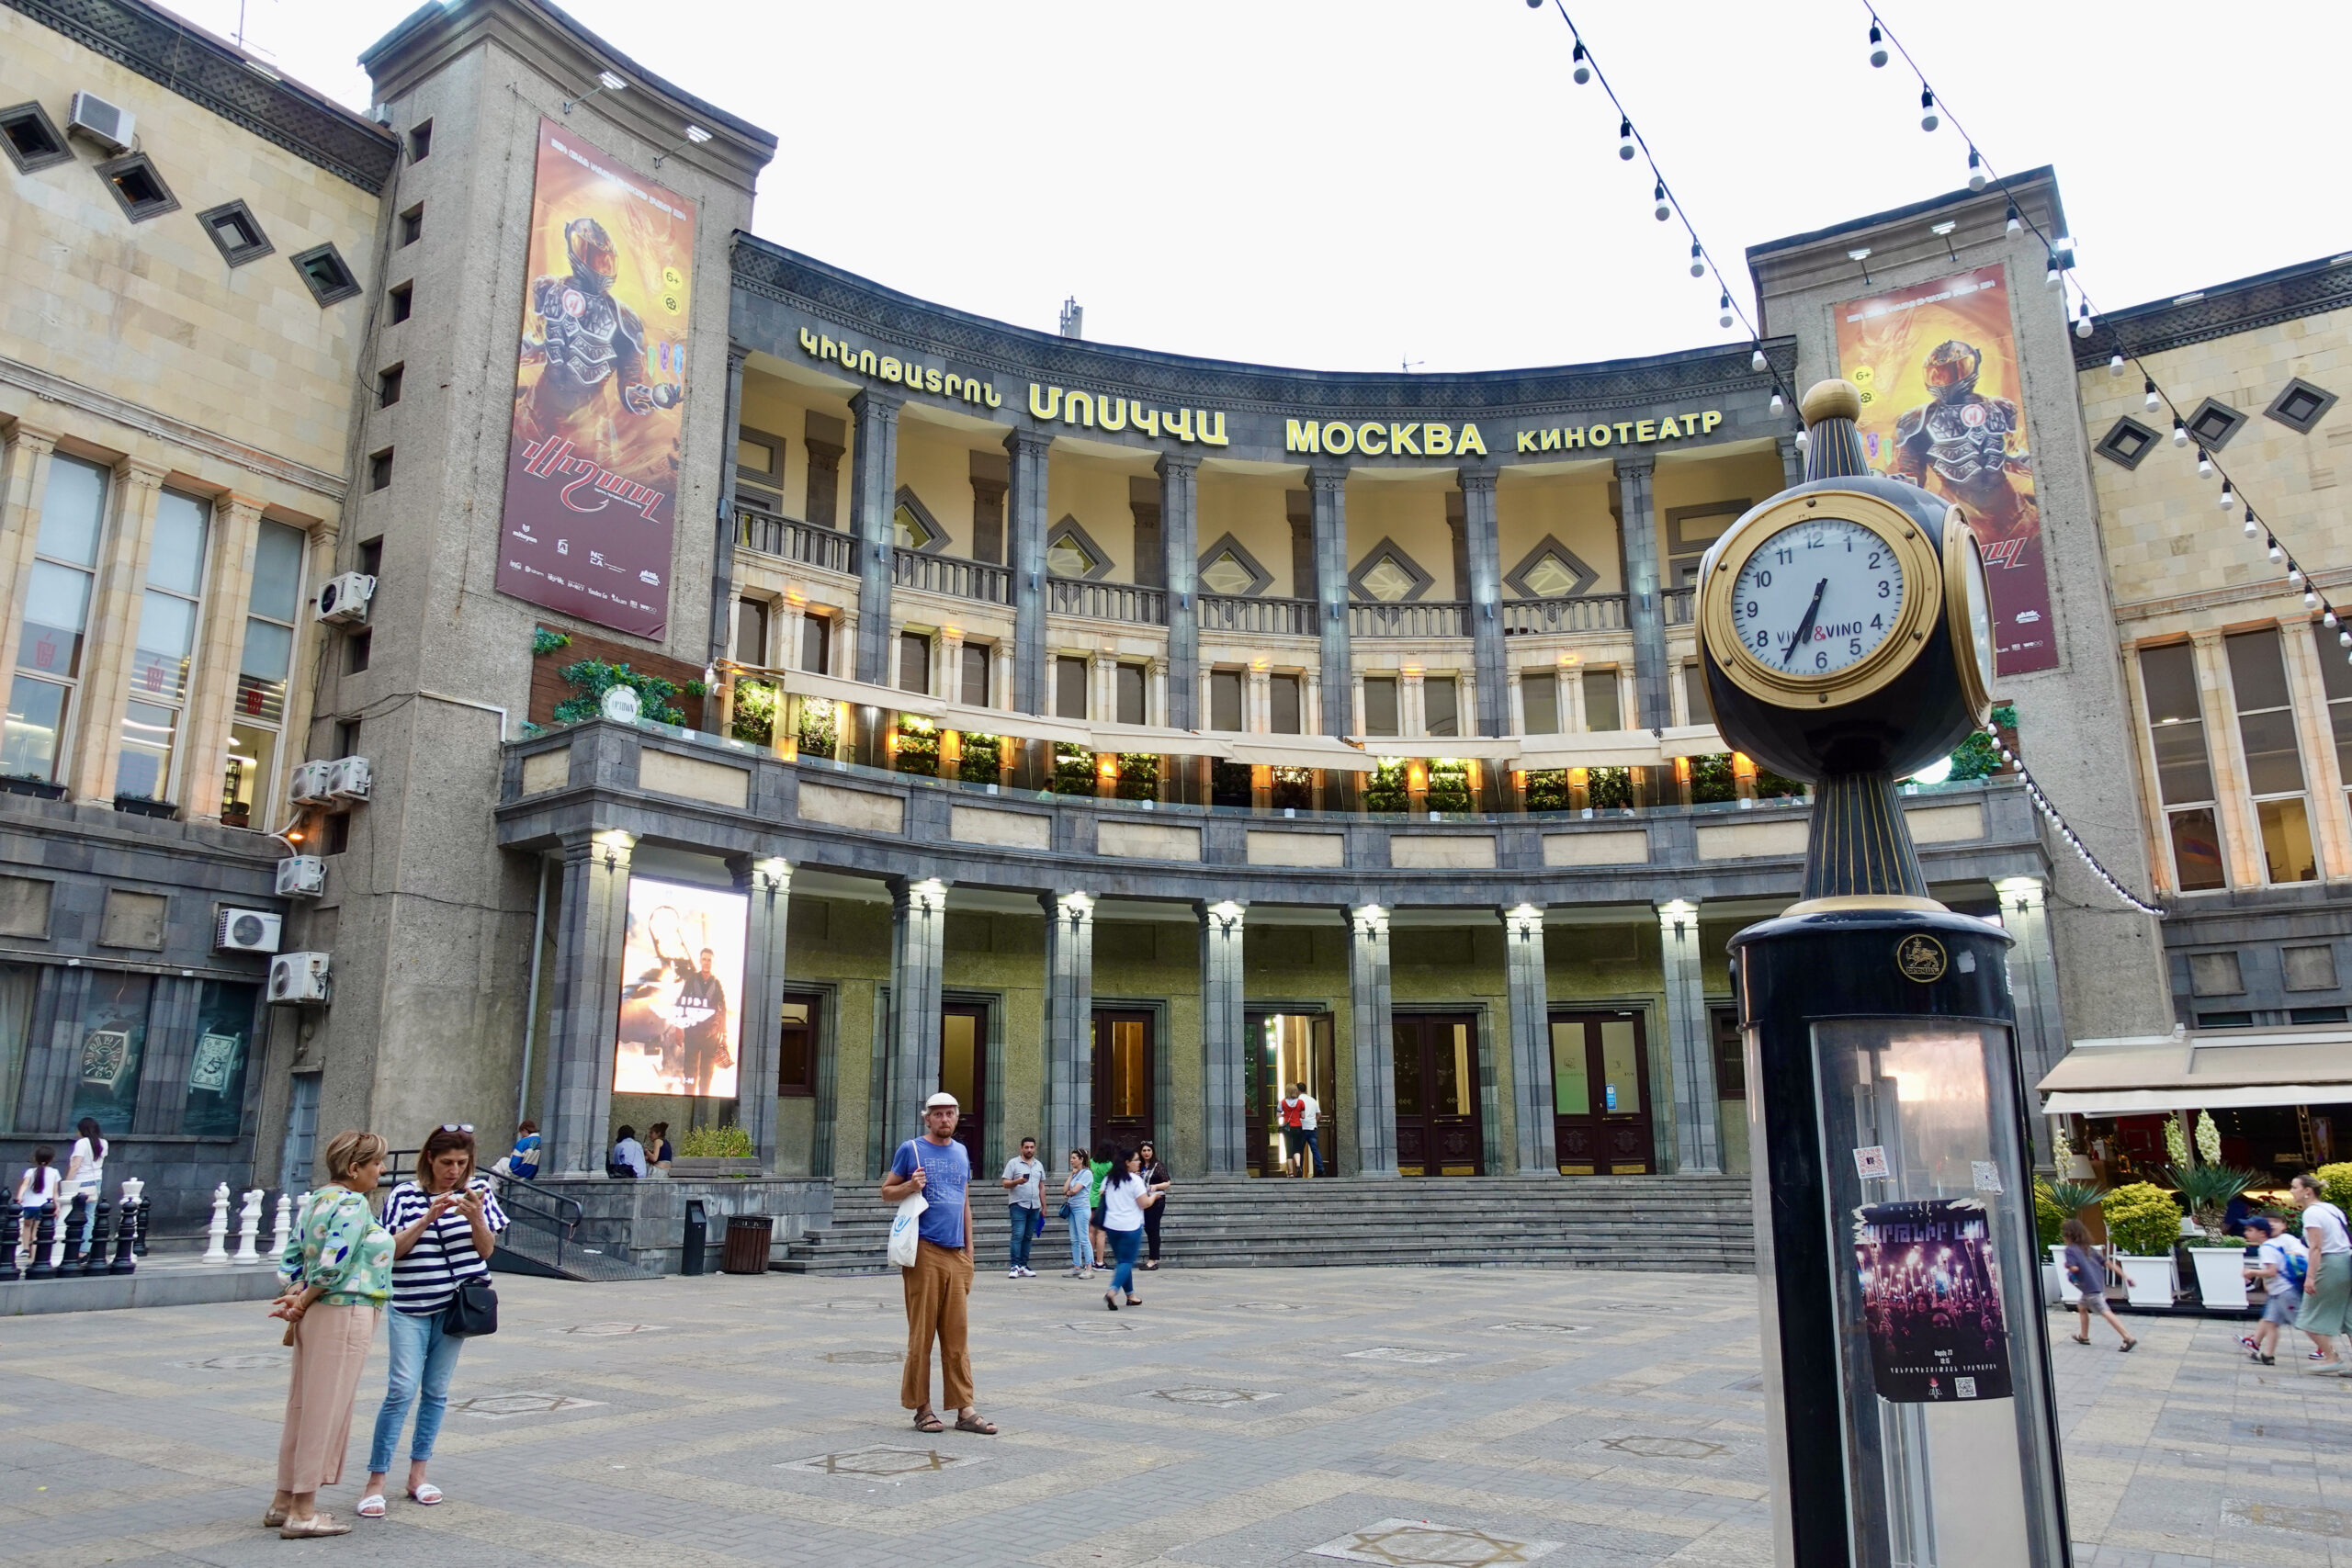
[(456, 1126)]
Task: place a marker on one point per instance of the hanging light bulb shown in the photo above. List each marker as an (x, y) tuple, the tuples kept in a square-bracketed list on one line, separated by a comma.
[(2229, 496), (1929, 119), (1779, 407), (2276, 553), (2310, 600), (2083, 324), (1625, 140), (1977, 171), (2328, 620), (2054, 276), (2251, 527), (1804, 440), (2179, 434), (2115, 366), (1698, 261), (1878, 48), (2344, 640), (2294, 577), (2014, 223), (2154, 402), (1664, 209), (2204, 465), (1757, 362), (1723, 319), (1583, 71)]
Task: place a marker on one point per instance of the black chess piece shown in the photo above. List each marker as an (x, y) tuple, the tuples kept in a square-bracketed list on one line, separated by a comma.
[(93, 1256), (44, 1237), (9, 1214), (139, 1248), (72, 1224), (123, 1234)]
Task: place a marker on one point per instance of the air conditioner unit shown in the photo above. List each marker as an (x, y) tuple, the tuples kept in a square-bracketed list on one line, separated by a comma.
[(345, 599), (246, 930), (298, 977), (309, 783), (301, 876), (347, 779), (101, 122)]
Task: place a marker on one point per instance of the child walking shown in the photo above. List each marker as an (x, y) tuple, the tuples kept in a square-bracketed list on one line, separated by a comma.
[(2089, 1275)]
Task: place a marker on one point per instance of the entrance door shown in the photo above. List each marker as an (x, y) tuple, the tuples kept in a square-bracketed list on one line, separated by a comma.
[(964, 1070), (1600, 1094), (1438, 1128), (1286, 1048), (1122, 1071)]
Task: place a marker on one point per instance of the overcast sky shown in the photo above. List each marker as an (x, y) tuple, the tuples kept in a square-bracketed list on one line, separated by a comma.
[(1351, 187)]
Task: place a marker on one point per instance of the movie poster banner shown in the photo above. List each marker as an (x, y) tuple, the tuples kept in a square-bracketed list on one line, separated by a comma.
[(591, 468), (682, 970), (1937, 364), (1932, 1302)]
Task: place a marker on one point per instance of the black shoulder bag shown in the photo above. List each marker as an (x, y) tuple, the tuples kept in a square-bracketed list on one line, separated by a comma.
[(473, 1311)]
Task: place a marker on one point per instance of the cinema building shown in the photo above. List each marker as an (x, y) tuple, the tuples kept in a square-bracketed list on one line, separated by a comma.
[(1111, 736)]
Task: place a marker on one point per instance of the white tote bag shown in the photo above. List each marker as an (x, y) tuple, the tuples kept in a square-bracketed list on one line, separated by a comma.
[(903, 1230)]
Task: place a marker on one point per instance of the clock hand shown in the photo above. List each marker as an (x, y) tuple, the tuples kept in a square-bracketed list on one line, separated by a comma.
[(1804, 627)]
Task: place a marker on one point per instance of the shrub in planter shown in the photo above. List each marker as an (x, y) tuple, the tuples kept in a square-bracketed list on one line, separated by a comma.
[(715, 1142), (2047, 1216), (2142, 1220), (2336, 1183), (2207, 1190)]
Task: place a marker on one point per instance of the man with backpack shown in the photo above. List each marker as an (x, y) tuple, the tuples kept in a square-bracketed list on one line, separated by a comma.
[(2326, 1310)]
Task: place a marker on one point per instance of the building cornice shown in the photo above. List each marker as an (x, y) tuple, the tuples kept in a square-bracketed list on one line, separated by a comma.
[(215, 74), (2247, 304)]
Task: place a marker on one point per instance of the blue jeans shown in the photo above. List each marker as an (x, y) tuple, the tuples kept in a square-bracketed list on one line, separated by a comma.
[(1081, 1249), (423, 1358), (1125, 1245), (1023, 1223)]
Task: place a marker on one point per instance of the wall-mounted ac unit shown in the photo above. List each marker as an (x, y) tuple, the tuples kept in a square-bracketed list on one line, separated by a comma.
[(298, 977), (246, 930), (301, 876), (345, 599), (349, 779), (310, 784), (106, 124)]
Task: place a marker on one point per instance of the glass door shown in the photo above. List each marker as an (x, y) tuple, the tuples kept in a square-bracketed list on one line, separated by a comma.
[(1439, 1129), (963, 1070), (1123, 1073), (1600, 1094)]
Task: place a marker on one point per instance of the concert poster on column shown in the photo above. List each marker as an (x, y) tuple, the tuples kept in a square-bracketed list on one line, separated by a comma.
[(681, 984), (1937, 364), (1932, 1302), (600, 384)]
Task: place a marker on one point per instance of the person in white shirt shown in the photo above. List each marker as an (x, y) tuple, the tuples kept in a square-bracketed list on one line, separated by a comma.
[(1125, 1195), (86, 1174), (2271, 1270), (627, 1155), (1024, 1203), (1310, 1111), (35, 1189), (2326, 1310)]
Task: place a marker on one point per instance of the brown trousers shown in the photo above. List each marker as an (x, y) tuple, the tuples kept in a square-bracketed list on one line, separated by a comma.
[(330, 1347), (937, 1287)]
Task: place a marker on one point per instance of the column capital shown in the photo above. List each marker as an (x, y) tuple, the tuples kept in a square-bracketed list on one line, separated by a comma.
[(1074, 908), (1103, 660), (1673, 914), (33, 438), (769, 873), (2021, 892), (1369, 920), (608, 847), (876, 402), (141, 475), (241, 506), (2206, 639), (1479, 476), (1635, 462), (1029, 443), (1171, 463), (1327, 477), (1224, 916), (921, 895), (1523, 922), (736, 355)]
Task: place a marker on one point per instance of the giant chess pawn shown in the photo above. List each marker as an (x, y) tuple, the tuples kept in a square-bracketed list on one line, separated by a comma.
[(9, 1215), (44, 1265), (217, 1239), (283, 1227), (249, 1227), (68, 1232), (146, 1208), (93, 1257), (125, 1215)]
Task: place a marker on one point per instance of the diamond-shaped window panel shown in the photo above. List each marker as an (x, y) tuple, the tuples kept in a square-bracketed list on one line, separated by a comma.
[(1227, 575), (1387, 582), (2300, 405), (1551, 571), (2213, 423), (1550, 578), (2127, 443), (1066, 558), (913, 535), (1228, 568)]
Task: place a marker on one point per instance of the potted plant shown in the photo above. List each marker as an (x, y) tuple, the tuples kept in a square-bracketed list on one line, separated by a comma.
[(2219, 1260), (32, 785), (2056, 1202), (2143, 1224), (708, 1152)]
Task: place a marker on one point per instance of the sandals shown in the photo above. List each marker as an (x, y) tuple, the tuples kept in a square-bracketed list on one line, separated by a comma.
[(426, 1495), (2080, 1338), (929, 1421), (1110, 1301), (1134, 1300), (370, 1506), (272, 1519), (316, 1524), (975, 1423), (1151, 1267), (2128, 1344)]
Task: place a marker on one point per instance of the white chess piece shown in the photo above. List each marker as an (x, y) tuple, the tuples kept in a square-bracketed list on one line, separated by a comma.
[(285, 1225), (217, 1248), (249, 1227)]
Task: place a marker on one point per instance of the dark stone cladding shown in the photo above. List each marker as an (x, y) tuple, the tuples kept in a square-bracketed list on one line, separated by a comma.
[(2247, 304), (772, 272), (204, 70)]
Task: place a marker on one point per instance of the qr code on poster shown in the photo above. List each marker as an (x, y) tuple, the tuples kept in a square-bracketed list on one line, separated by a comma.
[(1964, 1388)]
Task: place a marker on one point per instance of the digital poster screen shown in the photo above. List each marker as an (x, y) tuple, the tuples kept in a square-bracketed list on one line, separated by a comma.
[(681, 982)]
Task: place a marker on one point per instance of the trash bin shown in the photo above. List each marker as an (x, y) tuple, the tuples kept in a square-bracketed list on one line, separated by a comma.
[(690, 1258), (747, 1244)]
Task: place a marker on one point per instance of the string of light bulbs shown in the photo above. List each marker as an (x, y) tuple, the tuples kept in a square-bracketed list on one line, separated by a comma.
[(1666, 205)]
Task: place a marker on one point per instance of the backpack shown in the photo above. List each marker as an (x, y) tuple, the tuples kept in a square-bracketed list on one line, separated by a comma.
[(2294, 1266)]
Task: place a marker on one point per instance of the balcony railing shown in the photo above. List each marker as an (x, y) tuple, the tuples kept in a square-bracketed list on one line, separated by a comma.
[(1430, 618), (796, 540), (1107, 600), (1586, 613), (1681, 604), (1256, 617), (956, 577)]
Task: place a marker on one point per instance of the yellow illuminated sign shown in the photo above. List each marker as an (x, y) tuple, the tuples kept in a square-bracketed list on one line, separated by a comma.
[(905, 372), (1381, 438), (1623, 432)]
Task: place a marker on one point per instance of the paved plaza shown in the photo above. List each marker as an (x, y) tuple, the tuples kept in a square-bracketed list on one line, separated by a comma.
[(1239, 1418)]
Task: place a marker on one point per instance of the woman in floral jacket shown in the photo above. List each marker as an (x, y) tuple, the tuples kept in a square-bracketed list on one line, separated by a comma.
[(338, 1272)]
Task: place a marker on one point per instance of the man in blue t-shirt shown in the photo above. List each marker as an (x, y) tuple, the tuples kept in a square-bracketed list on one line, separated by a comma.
[(936, 1167)]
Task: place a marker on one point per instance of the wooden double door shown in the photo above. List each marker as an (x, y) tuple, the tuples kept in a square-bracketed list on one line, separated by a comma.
[(1600, 1094), (1440, 1129), (1124, 1063)]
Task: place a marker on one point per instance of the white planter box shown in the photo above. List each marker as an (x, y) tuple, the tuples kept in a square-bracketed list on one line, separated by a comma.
[(2153, 1281), (2221, 1275)]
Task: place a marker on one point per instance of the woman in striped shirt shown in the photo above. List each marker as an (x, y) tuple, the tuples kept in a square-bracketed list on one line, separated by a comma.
[(444, 1224)]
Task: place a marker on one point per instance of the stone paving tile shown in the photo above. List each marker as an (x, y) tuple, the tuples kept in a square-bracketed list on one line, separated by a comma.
[(1231, 1422)]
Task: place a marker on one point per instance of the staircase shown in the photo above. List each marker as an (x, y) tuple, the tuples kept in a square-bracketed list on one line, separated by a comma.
[(542, 1238), (1650, 1223)]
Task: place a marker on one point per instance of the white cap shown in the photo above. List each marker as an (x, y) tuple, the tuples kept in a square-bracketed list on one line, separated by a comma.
[(942, 1098)]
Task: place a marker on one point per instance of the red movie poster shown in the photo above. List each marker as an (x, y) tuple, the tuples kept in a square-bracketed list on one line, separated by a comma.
[(1937, 364), (592, 469)]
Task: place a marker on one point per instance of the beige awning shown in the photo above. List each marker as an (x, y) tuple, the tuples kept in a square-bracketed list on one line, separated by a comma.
[(1165, 742), (1486, 748), (1299, 751), (839, 689), (2199, 1071), (1593, 749)]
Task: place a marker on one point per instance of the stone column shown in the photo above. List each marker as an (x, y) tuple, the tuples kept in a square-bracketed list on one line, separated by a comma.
[(1157, 689), (1644, 610), (2033, 975), (1530, 1038), (113, 629), (1375, 1048), (1225, 1038), (759, 1011), (1328, 489), (1258, 707), (1025, 552), (918, 929), (1180, 547), (722, 541), (873, 501), (1482, 543), (22, 487), (229, 586), (583, 1017), (1792, 460), (1698, 1139), (1070, 1020), (1412, 709)]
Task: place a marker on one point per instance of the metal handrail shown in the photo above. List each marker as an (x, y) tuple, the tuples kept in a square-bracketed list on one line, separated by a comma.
[(1254, 616), (795, 540), (1583, 613), (554, 1208), (1430, 617), (952, 575), (1107, 600)]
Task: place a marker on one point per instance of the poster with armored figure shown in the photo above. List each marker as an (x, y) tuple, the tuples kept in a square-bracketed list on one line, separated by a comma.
[(600, 384), (1937, 364)]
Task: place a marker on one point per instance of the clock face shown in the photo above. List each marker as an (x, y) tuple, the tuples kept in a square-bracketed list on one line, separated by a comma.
[(1980, 611), (1818, 597)]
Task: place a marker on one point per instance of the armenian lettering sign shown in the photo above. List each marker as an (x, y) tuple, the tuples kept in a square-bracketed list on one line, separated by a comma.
[(592, 470), (1937, 364)]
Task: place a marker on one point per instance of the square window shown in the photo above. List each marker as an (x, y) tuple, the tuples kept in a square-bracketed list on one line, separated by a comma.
[(402, 300), (2309, 968), (2213, 423), (412, 224), (387, 386), (2301, 406), (235, 230), (138, 186), (380, 469), (2127, 443), (32, 139), (324, 270), (2214, 974), (419, 142)]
